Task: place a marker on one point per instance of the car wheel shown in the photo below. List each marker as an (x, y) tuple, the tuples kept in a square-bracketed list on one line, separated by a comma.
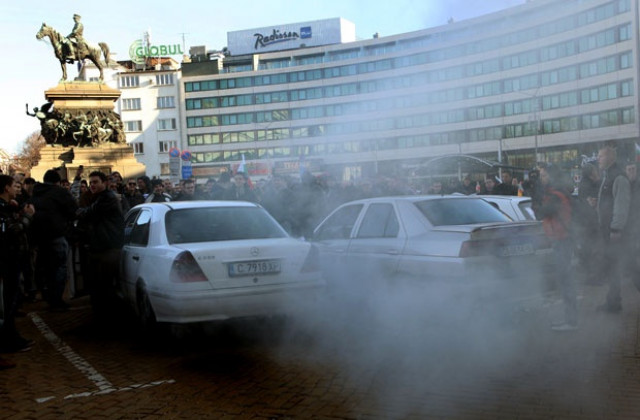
[(146, 316)]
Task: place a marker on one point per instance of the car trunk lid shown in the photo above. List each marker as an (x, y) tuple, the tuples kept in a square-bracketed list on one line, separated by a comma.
[(242, 263)]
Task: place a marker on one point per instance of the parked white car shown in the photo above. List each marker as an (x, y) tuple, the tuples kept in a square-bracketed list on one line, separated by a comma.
[(431, 238), (199, 261), (517, 208)]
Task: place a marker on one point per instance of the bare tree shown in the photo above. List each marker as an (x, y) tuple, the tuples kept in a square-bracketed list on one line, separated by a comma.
[(29, 156)]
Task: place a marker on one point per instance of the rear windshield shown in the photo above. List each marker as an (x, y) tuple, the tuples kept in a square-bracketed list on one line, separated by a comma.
[(456, 211), (220, 224)]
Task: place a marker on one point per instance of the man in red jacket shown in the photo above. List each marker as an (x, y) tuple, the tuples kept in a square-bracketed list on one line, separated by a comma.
[(555, 212)]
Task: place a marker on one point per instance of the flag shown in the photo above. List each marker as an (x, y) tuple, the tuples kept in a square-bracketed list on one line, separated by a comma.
[(242, 165), (242, 168)]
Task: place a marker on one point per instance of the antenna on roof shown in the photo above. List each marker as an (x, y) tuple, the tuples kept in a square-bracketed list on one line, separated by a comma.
[(184, 48)]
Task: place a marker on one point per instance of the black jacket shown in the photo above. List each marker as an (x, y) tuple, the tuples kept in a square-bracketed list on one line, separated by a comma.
[(105, 222), (13, 230), (55, 210)]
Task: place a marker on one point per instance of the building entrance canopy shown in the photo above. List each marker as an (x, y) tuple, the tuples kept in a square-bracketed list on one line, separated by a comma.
[(450, 165)]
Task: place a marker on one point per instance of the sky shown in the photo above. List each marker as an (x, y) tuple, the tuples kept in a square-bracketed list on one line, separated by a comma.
[(30, 67)]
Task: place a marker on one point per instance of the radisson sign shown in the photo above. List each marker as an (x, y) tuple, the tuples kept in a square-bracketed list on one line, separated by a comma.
[(264, 40), (138, 52)]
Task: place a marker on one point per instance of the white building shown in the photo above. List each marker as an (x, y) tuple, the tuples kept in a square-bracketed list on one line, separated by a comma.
[(148, 107)]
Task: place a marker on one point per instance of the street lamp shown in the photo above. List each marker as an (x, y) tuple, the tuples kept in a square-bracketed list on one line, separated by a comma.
[(536, 118)]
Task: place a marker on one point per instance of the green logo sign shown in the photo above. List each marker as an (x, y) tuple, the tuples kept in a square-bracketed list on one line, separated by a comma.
[(132, 52), (138, 52)]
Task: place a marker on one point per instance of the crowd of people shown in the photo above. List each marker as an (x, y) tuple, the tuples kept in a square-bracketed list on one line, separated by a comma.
[(599, 226), (43, 223)]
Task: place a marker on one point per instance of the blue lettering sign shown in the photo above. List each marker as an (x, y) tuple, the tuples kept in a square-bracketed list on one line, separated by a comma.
[(263, 40), (305, 32)]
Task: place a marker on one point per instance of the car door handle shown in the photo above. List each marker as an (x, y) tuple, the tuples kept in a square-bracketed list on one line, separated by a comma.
[(393, 252), (135, 258)]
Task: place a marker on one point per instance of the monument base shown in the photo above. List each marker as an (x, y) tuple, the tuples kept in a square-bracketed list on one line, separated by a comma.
[(107, 158)]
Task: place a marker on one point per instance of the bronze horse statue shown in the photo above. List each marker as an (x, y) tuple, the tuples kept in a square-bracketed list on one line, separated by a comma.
[(67, 54)]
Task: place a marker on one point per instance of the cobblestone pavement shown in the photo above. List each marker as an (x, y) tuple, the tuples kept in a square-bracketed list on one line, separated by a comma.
[(332, 367)]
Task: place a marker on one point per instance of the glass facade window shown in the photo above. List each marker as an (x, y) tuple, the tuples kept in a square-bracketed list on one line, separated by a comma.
[(164, 79), (129, 81), (131, 104), (165, 169), (167, 124), (166, 102), (201, 139), (132, 126), (165, 146)]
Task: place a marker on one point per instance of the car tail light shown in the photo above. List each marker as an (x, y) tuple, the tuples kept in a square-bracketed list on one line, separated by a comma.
[(312, 262), (185, 269)]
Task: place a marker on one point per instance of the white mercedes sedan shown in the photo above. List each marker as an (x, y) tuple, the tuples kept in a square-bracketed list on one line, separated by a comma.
[(196, 261), (432, 238)]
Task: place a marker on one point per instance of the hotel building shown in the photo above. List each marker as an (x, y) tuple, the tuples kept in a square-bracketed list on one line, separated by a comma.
[(548, 80)]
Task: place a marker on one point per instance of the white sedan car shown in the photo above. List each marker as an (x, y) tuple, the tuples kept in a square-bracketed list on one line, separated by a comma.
[(200, 261), (430, 238)]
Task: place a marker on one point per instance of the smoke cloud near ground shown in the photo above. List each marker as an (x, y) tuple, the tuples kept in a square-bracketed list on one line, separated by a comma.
[(415, 342)]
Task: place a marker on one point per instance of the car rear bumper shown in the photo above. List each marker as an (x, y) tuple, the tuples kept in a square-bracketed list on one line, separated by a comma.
[(519, 276), (223, 304)]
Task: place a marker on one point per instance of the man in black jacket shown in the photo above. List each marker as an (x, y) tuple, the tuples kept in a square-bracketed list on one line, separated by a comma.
[(106, 237), (55, 211), (13, 247)]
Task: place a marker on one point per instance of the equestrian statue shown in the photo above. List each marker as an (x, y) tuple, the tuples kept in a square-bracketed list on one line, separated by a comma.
[(74, 48)]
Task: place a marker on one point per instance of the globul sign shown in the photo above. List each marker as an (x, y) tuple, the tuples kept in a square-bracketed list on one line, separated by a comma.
[(138, 52)]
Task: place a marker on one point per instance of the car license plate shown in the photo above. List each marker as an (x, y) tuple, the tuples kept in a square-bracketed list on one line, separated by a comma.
[(515, 250), (250, 268)]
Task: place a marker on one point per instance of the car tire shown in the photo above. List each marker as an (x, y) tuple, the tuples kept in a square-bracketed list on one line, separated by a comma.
[(146, 315)]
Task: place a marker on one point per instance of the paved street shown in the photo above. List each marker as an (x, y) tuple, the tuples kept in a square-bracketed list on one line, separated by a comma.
[(338, 364)]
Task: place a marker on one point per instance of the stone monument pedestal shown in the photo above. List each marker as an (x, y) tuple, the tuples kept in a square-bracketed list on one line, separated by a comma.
[(83, 129), (108, 157)]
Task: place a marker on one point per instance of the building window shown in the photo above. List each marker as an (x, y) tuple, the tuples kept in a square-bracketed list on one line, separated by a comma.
[(165, 146), (138, 148), (129, 81), (130, 104), (132, 126), (166, 102), (164, 79), (167, 124), (165, 169)]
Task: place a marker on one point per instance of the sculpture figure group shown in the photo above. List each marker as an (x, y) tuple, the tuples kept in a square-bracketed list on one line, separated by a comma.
[(79, 127)]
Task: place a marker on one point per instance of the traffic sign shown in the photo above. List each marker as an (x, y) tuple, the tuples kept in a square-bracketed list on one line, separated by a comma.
[(186, 156), (187, 171), (174, 152)]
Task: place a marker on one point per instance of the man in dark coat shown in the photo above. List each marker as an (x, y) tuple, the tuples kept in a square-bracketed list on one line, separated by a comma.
[(13, 247), (106, 237), (55, 211), (614, 199)]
